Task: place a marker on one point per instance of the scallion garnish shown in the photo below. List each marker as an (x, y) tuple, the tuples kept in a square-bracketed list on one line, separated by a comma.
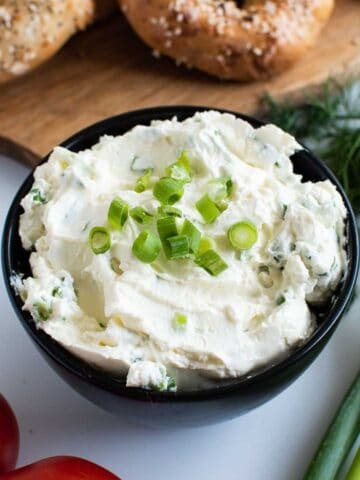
[(146, 247), (211, 262), (99, 240), (172, 386), (168, 190), (180, 321), (167, 384), (140, 215), (118, 213), (207, 209), (206, 243), (243, 235), (143, 182), (57, 292), (219, 191), (116, 266), (178, 247), (280, 300), (193, 234), (180, 170), (284, 210), (41, 312), (167, 228), (37, 196), (168, 210)]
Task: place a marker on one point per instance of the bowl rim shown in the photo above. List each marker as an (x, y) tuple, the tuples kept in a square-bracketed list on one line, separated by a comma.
[(109, 382)]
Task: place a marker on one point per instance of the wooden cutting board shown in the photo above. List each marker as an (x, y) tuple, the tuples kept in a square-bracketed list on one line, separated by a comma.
[(108, 70)]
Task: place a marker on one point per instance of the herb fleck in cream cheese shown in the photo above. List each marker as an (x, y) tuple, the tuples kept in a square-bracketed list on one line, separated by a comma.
[(113, 295)]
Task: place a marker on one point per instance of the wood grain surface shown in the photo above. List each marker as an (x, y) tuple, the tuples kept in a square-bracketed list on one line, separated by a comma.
[(107, 70)]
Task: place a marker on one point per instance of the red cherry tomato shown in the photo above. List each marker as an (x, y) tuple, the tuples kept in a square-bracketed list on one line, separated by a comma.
[(60, 468), (9, 437)]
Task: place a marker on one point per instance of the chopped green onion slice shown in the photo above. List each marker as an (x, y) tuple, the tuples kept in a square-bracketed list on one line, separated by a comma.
[(168, 210), (206, 243), (243, 235), (140, 215), (171, 386), (99, 240), (167, 228), (207, 209), (178, 247), (146, 247), (116, 266), (168, 190), (143, 182), (280, 300), (180, 321), (57, 292), (284, 210), (220, 189), (193, 235), (211, 262), (180, 170), (168, 384), (37, 196), (41, 312), (118, 213)]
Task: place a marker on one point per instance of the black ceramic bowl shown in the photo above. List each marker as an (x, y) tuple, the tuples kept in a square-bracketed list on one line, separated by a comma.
[(182, 408)]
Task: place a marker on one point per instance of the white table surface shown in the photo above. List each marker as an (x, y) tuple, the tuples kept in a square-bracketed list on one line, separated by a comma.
[(274, 442)]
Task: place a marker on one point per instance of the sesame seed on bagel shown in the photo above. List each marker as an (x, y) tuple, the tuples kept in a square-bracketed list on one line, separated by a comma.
[(31, 31), (242, 40)]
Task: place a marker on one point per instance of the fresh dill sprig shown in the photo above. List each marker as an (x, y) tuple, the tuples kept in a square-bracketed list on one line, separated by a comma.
[(342, 153), (329, 124)]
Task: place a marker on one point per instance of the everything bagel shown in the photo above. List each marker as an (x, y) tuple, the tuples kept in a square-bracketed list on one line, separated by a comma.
[(31, 31), (245, 40)]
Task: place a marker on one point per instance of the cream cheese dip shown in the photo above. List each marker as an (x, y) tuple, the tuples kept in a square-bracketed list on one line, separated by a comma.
[(180, 250)]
